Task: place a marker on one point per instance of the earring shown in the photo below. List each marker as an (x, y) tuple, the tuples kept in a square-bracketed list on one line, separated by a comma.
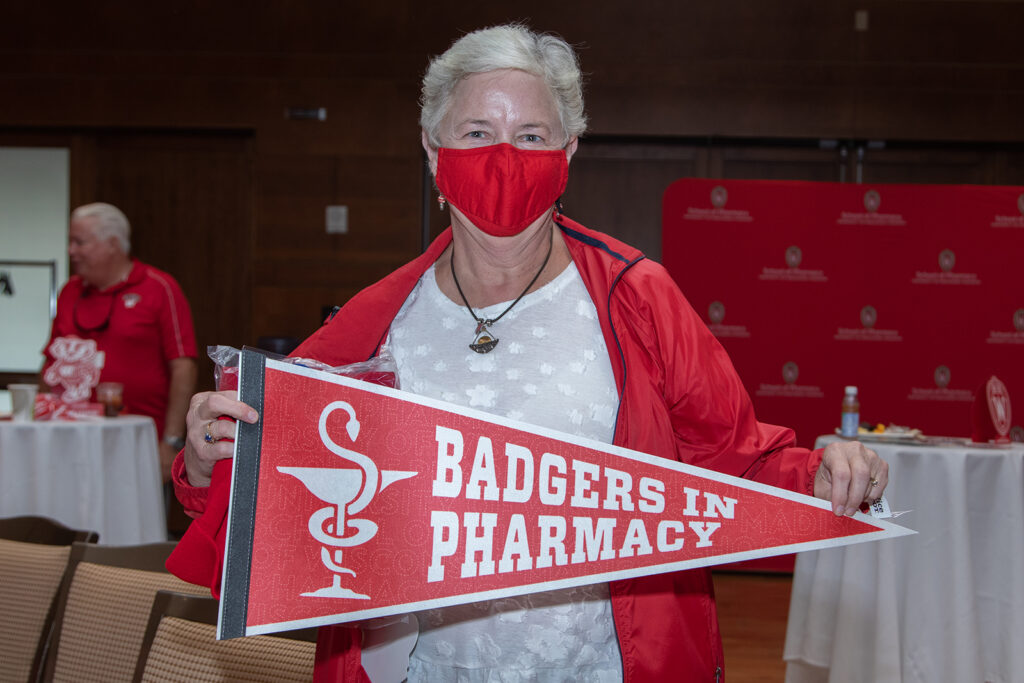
[(441, 202)]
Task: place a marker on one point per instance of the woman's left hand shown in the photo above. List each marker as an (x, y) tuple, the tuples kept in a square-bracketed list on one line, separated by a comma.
[(850, 475)]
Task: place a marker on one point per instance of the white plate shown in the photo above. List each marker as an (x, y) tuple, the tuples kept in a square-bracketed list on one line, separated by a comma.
[(887, 437)]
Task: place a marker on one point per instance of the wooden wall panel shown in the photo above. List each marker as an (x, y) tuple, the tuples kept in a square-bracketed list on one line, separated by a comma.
[(934, 70), (947, 32), (749, 162), (977, 166), (293, 311), (189, 200), (617, 187), (724, 65), (1009, 168)]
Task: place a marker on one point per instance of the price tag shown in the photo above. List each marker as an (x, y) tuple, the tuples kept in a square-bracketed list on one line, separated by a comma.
[(880, 509)]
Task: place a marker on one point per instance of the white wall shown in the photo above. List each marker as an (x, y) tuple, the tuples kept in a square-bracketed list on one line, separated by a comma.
[(34, 207)]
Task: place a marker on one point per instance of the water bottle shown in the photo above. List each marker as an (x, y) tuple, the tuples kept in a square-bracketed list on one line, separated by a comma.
[(851, 413)]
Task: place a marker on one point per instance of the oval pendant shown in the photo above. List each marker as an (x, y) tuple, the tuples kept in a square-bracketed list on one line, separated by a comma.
[(484, 342)]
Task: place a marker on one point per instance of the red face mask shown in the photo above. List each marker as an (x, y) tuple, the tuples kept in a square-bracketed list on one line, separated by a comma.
[(501, 188)]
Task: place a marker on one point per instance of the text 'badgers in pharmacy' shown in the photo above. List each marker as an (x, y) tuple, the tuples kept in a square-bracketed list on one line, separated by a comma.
[(580, 496)]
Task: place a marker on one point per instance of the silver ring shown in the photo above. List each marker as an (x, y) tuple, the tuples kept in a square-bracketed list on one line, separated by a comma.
[(209, 437), (874, 483)]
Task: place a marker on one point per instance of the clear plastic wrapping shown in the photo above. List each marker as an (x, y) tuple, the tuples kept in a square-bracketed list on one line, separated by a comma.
[(380, 369)]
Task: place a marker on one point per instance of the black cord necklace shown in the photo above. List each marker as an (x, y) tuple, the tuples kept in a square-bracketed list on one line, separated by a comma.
[(484, 341), (103, 324), (111, 293)]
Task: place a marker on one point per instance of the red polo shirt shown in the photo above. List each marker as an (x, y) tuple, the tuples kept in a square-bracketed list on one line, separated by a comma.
[(141, 324)]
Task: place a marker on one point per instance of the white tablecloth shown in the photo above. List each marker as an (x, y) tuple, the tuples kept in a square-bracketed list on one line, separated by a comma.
[(944, 605), (102, 475)]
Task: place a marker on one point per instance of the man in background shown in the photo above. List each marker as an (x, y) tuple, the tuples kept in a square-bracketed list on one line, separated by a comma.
[(138, 317)]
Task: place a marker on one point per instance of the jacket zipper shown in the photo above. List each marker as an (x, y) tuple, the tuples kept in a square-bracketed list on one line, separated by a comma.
[(615, 335), (611, 325)]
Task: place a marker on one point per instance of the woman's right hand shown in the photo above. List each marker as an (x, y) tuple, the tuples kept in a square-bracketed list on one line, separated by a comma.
[(203, 420)]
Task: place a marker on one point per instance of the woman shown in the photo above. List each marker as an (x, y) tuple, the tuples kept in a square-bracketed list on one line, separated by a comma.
[(522, 312)]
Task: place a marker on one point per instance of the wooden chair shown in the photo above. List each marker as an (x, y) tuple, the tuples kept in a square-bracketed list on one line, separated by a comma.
[(180, 645), (103, 606), (33, 557), (34, 529)]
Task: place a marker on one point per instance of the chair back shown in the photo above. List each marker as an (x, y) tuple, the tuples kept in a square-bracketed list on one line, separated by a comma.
[(180, 645), (35, 529), (33, 557), (103, 608)]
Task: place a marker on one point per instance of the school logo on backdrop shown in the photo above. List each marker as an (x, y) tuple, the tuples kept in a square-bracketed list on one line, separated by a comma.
[(942, 376), (719, 196), (1008, 220), (790, 372), (868, 316), (1014, 336), (868, 330), (947, 259), (716, 314), (793, 257), (872, 200), (946, 274), (789, 387), (871, 216), (717, 212)]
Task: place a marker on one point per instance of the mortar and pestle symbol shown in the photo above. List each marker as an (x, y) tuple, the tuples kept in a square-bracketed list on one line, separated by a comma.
[(348, 491)]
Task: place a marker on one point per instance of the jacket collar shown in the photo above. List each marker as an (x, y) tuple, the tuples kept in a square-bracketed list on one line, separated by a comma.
[(601, 259)]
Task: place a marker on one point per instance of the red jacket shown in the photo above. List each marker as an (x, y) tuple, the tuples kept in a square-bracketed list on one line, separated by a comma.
[(679, 397)]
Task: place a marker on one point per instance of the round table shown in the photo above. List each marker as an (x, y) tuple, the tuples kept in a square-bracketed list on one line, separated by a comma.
[(102, 475), (944, 605)]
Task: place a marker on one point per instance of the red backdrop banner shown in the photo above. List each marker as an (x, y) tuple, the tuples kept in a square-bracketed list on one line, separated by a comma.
[(913, 293)]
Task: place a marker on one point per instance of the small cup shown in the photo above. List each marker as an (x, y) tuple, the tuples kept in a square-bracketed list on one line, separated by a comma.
[(111, 395), (23, 402)]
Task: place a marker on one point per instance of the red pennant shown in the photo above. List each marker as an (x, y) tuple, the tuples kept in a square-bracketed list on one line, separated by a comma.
[(441, 505)]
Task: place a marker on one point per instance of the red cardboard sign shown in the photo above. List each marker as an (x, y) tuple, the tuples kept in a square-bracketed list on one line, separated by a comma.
[(439, 505)]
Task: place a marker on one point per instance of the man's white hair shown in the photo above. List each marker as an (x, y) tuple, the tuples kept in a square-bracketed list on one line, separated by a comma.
[(109, 220)]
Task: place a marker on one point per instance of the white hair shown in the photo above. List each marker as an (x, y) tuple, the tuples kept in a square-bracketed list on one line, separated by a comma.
[(110, 221), (510, 46)]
